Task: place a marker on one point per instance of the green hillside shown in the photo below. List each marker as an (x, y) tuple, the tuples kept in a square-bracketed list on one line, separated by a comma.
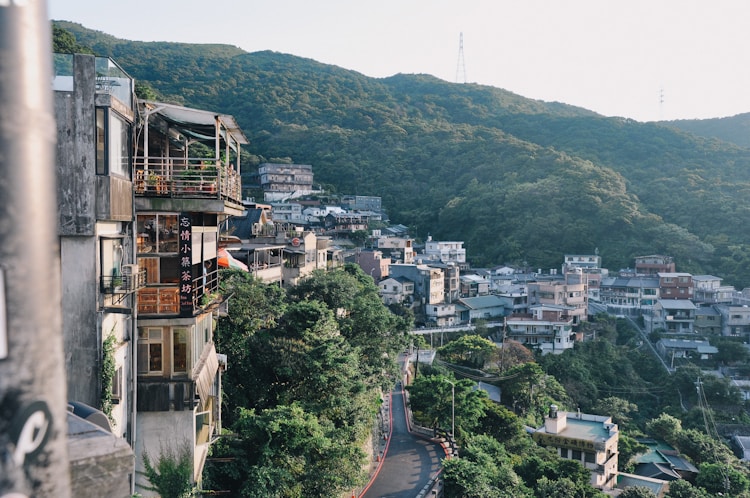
[(516, 179)]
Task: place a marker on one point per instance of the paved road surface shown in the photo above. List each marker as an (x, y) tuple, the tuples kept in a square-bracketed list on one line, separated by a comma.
[(409, 461)]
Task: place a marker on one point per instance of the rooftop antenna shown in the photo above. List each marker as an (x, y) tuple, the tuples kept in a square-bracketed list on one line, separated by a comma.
[(461, 66)]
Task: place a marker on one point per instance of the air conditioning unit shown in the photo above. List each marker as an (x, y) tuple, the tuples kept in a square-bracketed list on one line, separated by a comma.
[(129, 270)]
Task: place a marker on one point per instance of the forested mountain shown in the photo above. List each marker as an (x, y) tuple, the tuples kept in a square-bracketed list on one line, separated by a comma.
[(735, 129), (518, 180)]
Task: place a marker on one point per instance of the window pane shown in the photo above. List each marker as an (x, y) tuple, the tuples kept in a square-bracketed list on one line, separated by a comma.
[(101, 165), (119, 150), (179, 346), (146, 226), (168, 232), (154, 358)]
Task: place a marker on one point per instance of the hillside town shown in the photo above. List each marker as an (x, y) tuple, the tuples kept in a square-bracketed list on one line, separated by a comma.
[(144, 230)]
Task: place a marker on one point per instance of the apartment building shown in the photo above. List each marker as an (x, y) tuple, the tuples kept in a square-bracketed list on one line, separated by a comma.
[(182, 193), (285, 181), (400, 249), (675, 285), (707, 289), (373, 263), (570, 293), (653, 265), (446, 251), (629, 296), (590, 440), (547, 328), (95, 113)]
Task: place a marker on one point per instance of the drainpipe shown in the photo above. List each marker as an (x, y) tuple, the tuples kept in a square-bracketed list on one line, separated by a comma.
[(33, 398)]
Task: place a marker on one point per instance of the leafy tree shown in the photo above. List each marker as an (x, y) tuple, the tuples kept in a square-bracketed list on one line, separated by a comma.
[(468, 350), (617, 408), (482, 471), (628, 447), (64, 42), (512, 354), (719, 478), (529, 391), (683, 489), (637, 492), (286, 451), (701, 447), (666, 427), (430, 399), (171, 475), (504, 426), (555, 488)]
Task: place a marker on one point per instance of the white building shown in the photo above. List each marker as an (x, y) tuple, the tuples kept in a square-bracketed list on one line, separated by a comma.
[(590, 440), (446, 252)]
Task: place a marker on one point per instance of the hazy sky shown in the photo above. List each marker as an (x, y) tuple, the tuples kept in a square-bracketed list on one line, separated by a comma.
[(642, 59)]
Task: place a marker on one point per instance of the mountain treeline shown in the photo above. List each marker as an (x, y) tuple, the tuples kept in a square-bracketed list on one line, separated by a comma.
[(520, 181)]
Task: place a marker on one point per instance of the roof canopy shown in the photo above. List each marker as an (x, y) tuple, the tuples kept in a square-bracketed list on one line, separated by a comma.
[(197, 124)]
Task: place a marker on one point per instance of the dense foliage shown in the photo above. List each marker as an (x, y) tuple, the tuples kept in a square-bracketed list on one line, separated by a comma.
[(520, 181), (308, 369)]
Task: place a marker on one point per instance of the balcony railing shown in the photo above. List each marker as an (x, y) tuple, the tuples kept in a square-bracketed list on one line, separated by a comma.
[(186, 178), (123, 284), (165, 299)]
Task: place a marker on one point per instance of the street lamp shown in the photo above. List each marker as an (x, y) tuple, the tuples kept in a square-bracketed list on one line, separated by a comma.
[(453, 408)]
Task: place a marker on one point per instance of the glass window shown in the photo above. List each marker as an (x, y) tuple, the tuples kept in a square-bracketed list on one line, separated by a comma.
[(150, 350), (168, 233), (110, 259), (180, 350), (119, 146), (101, 156)]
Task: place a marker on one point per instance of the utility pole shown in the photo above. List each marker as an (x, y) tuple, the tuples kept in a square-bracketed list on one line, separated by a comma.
[(33, 407)]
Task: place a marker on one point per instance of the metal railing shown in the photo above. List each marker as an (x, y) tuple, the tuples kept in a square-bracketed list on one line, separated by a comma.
[(186, 177)]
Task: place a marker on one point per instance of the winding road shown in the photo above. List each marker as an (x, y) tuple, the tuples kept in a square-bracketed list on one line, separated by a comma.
[(409, 461)]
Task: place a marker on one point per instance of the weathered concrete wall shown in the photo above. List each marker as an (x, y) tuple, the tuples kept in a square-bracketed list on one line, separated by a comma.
[(80, 328), (76, 152)]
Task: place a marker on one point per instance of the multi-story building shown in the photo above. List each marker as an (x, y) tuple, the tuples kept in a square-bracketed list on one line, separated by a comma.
[(675, 285), (373, 263), (653, 265), (474, 285), (707, 289), (673, 316), (548, 328), (362, 203), (590, 440), (95, 114), (707, 321), (441, 314), (283, 181), (735, 320), (399, 290), (181, 197), (590, 267), (629, 296), (568, 293), (287, 212), (428, 281), (401, 249), (445, 251)]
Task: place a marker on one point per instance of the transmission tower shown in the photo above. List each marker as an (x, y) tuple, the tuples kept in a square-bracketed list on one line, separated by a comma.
[(461, 66)]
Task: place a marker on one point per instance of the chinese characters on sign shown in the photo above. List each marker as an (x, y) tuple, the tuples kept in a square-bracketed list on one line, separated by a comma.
[(563, 442), (186, 264)]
